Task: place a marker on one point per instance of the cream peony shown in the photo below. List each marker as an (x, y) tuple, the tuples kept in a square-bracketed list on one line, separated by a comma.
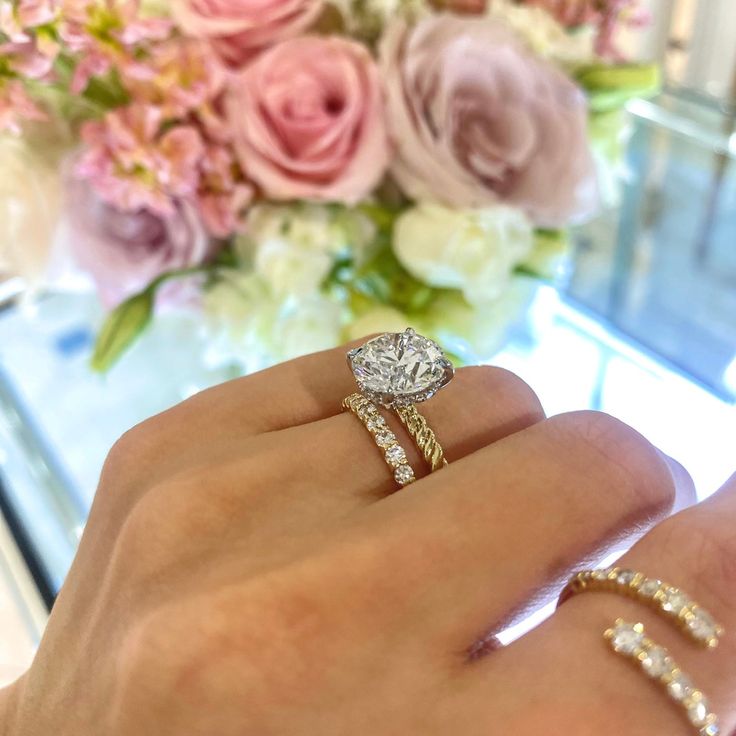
[(379, 318), (295, 247), (475, 251), (545, 35), (476, 333), (251, 327), (30, 202), (289, 268)]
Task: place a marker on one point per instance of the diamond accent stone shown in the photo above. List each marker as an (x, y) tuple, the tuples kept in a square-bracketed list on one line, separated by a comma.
[(375, 423), (675, 601), (396, 455), (656, 663), (650, 587), (404, 475), (702, 626), (625, 577), (697, 711), (385, 438), (601, 574), (626, 639), (680, 686), (400, 368), (712, 729)]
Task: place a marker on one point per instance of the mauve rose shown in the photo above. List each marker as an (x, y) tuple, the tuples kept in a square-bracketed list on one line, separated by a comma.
[(308, 120), (477, 119), (124, 251), (238, 28)]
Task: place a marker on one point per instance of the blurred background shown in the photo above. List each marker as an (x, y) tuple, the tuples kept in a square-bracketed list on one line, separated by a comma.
[(643, 325)]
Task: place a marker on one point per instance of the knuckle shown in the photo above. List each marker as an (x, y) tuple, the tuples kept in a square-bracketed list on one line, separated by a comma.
[(134, 546), (630, 462), (153, 655), (127, 447), (135, 448), (705, 544), (511, 401)]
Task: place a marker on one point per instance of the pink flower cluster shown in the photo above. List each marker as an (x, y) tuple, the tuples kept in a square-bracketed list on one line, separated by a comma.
[(606, 16), (234, 100), (26, 54), (311, 117)]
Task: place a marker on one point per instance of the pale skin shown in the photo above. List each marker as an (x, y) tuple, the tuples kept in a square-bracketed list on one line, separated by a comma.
[(248, 570)]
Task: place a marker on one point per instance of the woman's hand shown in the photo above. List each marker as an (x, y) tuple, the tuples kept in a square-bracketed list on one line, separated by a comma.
[(247, 570)]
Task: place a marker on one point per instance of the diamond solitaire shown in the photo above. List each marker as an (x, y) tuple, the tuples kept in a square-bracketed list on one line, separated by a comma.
[(400, 368)]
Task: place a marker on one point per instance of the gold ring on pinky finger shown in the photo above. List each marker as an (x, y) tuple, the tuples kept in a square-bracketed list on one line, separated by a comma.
[(674, 603), (393, 452), (630, 640)]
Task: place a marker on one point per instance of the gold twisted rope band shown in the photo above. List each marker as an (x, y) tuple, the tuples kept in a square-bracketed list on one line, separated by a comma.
[(672, 602), (426, 440), (393, 453), (630, 641)]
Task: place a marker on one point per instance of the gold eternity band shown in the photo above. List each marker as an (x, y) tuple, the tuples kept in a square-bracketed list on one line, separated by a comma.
[(674, 603), (385, 439), (630, 640)]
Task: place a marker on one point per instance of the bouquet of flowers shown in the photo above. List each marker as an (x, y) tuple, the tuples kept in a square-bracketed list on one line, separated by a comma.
[(305, 171)]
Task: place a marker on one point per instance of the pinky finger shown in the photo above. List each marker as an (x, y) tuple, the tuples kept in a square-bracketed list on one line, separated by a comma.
[(563, 677)]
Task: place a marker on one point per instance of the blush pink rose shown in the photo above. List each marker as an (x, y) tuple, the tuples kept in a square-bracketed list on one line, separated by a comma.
[(308, 120), (238, 28), (124, 251), (477, 119)]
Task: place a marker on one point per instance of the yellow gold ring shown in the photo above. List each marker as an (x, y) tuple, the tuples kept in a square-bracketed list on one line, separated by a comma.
[(631, 641), (672, 602), (425, 439), (385, 439)]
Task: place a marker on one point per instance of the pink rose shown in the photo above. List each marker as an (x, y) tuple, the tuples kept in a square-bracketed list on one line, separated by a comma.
[(238, 28), (477, 119), (308, 120), (125, 251)]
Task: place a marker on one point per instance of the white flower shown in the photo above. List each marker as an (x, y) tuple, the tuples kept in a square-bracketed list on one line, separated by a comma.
[(544, 35), (305, 326), (290, 269), (250, 327), (476, 333), (378, 319), (367, 18), (30, 202), (295, 247), (475, 251)]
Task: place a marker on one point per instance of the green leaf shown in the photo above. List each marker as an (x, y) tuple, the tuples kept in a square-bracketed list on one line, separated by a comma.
[(106, 92), (551, 251), (610, 87), (597, 77), (385, 280), (121, 328)]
